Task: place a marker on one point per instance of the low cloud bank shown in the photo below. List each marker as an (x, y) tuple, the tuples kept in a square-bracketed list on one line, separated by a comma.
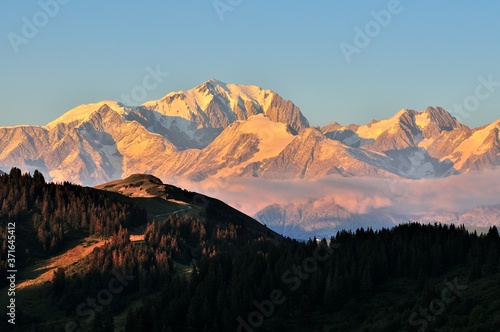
[(357, 194)]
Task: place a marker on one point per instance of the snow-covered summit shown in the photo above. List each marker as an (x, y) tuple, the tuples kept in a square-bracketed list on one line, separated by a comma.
[(233, 130), (83, 112), (215, 104)]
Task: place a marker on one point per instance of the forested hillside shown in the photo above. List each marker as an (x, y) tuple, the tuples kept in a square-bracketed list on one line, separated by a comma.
[(46, 214), (209, 268)]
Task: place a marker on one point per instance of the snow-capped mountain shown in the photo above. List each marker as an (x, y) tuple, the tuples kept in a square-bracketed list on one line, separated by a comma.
[(90, 144), (323, 218), (223, 131), (227, 130), (425, 144), (406, 129), (98, 142), (215, 105), (233, 151)]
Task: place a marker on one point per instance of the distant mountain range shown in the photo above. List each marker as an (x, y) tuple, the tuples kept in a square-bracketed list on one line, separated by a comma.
[(219, 130), (322, 219)]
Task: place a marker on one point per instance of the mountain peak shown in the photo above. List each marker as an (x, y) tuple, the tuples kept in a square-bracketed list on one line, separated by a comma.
[(405, 111), (437, 112), (215, 105), (83, 112), (438, 119), (212, 87), (142, 177), (136, 185), (214, 81)]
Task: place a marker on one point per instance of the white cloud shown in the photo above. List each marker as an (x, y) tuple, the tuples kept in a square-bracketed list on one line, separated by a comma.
[(357, 194)]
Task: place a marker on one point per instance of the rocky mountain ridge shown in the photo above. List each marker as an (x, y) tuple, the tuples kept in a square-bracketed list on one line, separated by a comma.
[(218, 131), (229, 130)]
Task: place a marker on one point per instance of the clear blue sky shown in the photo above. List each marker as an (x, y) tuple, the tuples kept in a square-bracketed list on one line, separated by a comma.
[(430, 53)]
